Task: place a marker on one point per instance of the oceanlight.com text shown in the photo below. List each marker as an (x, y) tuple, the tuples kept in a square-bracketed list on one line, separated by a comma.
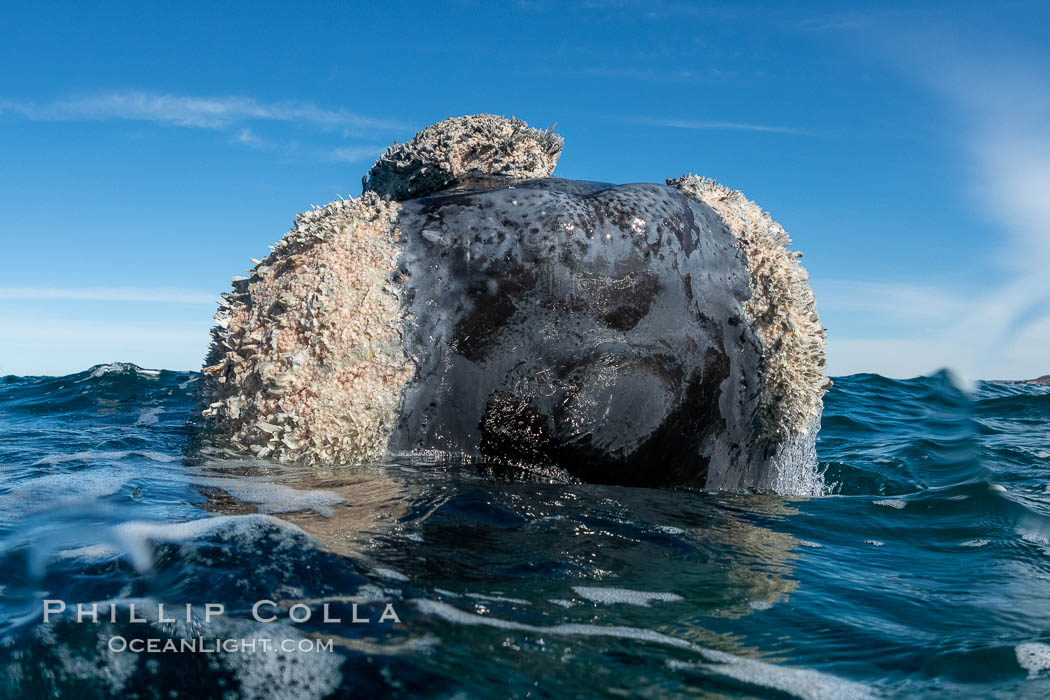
[(200, 645)]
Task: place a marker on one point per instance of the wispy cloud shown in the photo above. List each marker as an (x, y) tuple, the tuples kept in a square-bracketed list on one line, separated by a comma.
[(619, 9), (878, 19), (298, 151), (247, 137), (190, 111), (719, 125), (239, 117), (837, 21), (355, 154), (906, 301), (677, 75), (161, 295)]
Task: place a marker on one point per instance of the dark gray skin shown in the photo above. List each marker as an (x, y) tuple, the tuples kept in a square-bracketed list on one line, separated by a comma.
[(585, 326)]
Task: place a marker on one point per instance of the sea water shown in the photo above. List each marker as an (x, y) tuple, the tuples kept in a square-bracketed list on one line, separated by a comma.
[(923, 569)]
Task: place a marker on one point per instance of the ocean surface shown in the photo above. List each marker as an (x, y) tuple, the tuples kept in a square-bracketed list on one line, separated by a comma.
[(924, 569)]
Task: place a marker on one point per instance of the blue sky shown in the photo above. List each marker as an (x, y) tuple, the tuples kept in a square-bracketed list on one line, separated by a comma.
[(147, 150)]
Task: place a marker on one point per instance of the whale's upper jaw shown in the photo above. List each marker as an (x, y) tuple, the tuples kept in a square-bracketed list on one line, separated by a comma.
[(593, 327)]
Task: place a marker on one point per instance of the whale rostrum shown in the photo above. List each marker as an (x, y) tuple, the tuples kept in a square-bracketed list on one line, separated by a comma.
[(468, 306)]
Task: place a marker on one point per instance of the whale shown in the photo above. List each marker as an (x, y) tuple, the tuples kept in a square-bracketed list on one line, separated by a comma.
[(469, 306)]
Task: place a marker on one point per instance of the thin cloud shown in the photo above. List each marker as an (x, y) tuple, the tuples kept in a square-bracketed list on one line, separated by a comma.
[(720, 126), (247, 137), (356, 154), (298, 151), (191, 111), (648, 75), (234, 116), (838, 22), (645, 9), (159, 295), (879, 19), (904, 301)]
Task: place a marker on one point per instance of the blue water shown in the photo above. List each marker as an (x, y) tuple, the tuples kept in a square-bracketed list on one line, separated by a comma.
[(924, 571)]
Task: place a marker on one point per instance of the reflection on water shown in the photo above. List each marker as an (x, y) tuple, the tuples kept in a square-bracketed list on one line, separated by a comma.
[(337, 507)]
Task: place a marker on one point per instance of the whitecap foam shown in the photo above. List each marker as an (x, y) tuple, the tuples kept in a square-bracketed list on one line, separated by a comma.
[(279, 675), (453, 614), (74, 664), (798, 682), (104, 456), (93, 551), (119, 368), (65, 489), (1034, 537), (447, 593), (890, 503), (391, 574), (498, 598), (481, 596), (612, 596), (670, 529), (1033, 657), (134, 537), (159, 531), (149, 416), (803, 683)]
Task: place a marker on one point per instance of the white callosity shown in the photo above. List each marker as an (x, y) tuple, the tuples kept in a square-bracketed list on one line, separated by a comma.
[(479, 144), (306, 362), (782, 311)]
